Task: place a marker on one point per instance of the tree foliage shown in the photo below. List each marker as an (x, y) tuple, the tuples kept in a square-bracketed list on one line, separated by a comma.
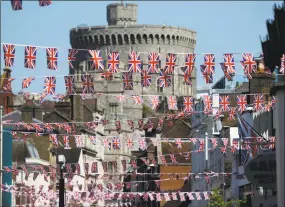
[(217, 200)]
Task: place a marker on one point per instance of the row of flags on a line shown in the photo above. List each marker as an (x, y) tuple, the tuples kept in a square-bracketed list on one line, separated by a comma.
[(135, 65), (18, 4)]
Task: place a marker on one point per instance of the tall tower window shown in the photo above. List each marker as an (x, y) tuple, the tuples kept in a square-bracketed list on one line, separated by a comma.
[(159, 89)]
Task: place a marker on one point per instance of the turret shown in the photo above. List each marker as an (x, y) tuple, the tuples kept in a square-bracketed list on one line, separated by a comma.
[(120, 14)]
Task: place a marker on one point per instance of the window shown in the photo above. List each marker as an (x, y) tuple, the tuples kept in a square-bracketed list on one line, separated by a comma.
[(159, 89), (110, 167)]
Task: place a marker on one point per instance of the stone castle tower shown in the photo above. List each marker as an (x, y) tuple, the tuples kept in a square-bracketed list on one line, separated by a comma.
[(123, 34)]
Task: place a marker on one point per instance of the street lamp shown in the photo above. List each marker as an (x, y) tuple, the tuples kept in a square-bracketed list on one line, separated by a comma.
[(61, 161)]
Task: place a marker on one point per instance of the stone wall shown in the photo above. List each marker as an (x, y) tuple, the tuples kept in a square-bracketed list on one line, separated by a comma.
[(124, 35)]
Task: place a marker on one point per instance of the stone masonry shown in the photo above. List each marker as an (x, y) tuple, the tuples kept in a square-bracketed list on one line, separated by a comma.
[(123, 34)]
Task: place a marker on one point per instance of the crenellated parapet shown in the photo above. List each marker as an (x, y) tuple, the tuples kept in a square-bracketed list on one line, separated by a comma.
[(94, 37)]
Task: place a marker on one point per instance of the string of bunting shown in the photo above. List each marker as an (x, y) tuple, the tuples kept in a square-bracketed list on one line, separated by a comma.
[(135, 65), (96, 196)]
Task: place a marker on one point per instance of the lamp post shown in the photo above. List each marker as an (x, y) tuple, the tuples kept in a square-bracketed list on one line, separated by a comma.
[(61, 161)]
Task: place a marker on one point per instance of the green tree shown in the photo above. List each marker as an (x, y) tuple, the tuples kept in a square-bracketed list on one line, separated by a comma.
[(216, 200)]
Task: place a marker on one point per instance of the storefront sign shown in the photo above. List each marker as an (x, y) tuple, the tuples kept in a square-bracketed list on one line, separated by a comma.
[(262, 170)]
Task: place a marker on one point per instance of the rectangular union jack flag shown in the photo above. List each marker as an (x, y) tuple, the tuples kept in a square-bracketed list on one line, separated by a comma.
[(224, 103), (30, 57), (87, 84), (113, 62), (249, 65), (27, 82), (116, 143), (154, 102), (134, 61), (282, 67), (44, 3), (209, 63), (188, 104), (258, 103), (229, 63), (16, 5), (128, 80), (172, 103), (170, 63), (189, 63), (52, 58), (9, 54), (69, 85), (72, 57), (145, 78), (96, 60), (241, 103), (164, 80), (153, 62), (49, 85)]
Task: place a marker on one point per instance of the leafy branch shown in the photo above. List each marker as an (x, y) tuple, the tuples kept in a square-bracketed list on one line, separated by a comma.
[(217, 200)]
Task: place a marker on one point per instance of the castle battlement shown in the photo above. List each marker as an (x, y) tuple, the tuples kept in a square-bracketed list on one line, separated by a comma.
[(132, 34)]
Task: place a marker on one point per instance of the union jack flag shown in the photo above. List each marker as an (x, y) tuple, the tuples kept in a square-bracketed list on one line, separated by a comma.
[(128, 80), (258, 103), (96, 59), (134, 62), (53, 138), (172, 103), (116, 143), (8, 86), (118, 126), (249, 65), (44, 3), (229, 76), (208, 78), (178, 143), (137, 99), (282, 68), (201, 145), (49, 85), (121, 98), (150, 125), (79, 141), (273, 102), (232, 113), (72, 57), (153, 62), (159, 124), (30, 57), (69, 85), (48, 127), (9, 54), (224, 103), (208, 103), (52, 56), (87, 84), (140, 124), (107, 75), (229, 63), (113, 62), (154, 102), (131, 124), (189, 63), (142, 143), (241, 103), (209, 63), (145, 78), (188, 79), (66, 141), (170, 63), (173, 158), (188, 104), (164, 80), (16, 5)]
